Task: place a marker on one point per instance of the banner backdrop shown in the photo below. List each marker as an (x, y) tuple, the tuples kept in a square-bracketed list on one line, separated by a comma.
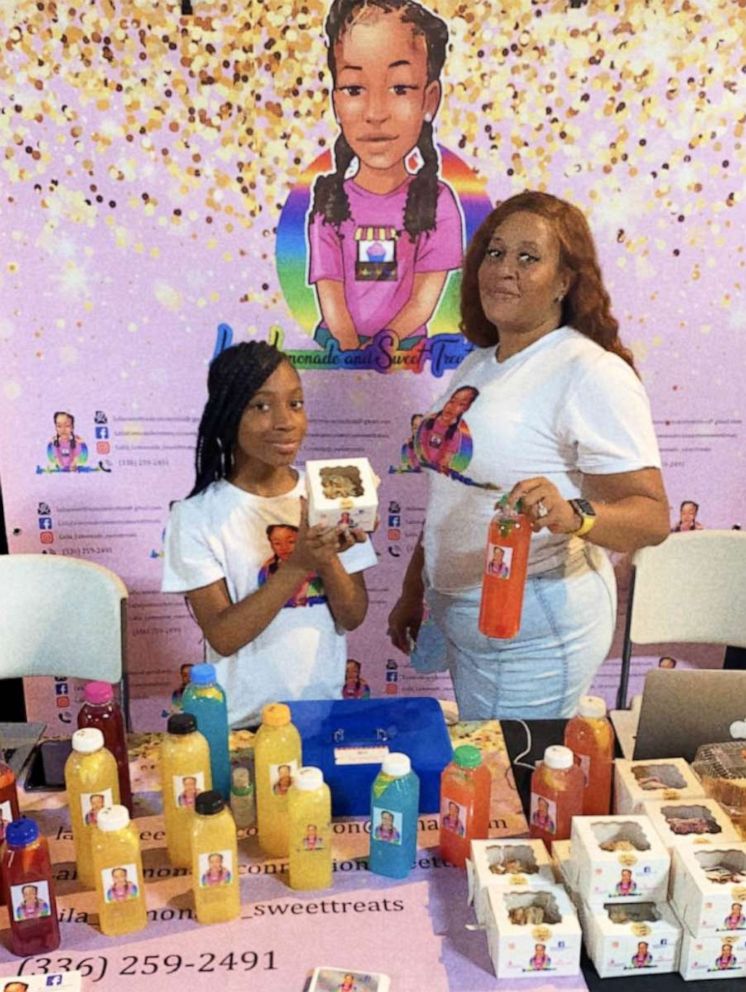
[(172, 184)]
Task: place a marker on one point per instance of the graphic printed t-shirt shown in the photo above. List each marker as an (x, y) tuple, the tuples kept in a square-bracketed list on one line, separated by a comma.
[(560, 408), (222, 534)]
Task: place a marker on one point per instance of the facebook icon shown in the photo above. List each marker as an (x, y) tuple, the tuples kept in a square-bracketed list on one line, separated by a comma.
[(45, 523), (53, 980)]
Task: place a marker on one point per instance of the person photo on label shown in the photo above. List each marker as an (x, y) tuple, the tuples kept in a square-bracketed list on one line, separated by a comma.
[(560, 423)]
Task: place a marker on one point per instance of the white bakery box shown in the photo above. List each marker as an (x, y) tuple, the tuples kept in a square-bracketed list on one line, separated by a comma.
[(342, 492), (631, 939), (505, 864), (565, 869), (659, 778), (709, 889), (713, 957), (533, 932), (690, 823), (619, 858)]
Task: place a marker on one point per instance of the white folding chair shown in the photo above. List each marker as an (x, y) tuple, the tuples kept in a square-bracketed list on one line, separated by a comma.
[(62, 616), (689, 589)]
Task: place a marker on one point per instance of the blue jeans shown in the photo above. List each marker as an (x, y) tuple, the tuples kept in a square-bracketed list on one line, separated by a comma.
[(566, 631)]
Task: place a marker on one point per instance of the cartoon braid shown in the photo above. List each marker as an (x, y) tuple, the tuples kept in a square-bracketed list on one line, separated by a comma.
[(63, 413), (422, 196), (329, 196), (234, 376)]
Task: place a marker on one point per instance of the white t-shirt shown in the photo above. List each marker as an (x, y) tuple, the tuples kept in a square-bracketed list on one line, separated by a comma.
[(560, 408), (222, 534)]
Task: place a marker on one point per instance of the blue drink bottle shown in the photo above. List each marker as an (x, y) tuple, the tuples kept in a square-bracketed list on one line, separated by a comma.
[(205, 700), (394, 802)]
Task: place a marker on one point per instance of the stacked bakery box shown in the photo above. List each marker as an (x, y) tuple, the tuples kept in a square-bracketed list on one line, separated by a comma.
[(532, 925), (657, 883)]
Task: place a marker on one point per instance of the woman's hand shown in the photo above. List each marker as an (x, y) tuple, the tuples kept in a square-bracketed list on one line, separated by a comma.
[(545, 507), (404, 622)]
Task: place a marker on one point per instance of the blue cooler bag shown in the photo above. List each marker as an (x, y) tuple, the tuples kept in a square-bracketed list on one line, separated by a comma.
[(349, 738)]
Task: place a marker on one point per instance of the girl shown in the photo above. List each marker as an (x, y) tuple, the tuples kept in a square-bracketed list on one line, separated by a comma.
[(121, 888), (32, 907), (217, 542), (445, 438), (355, 686), (382, 240), (217, 873), (66, 452)]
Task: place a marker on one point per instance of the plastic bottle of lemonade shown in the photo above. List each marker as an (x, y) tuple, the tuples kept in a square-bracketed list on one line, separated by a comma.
[(28, 890), (117, 862), (310, 815), (101, 710), (395, 802), (185, 772), (92, 782), (205, 699), (590, 736), (465, 786), (556, 795), (214, 860), (504, 578), (277, 758)]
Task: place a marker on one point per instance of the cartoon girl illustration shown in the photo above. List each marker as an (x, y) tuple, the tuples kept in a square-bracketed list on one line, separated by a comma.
[(452, 820), (386, 830), (188, 794), (445, 436), (408, 460), (66, 451), (31, 907), (642, 958), (541, 817), (626, 886), (726, 959), (96, 805), (347, 984), (282, 539), (284, 780), (384, 230), (217, 873), (540, 960), (121, 888), (688, 517), (312, 841), (497, 565), (354, 686), (735, 919)]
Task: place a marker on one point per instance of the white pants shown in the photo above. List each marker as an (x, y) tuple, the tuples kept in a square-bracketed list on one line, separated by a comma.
[(566, 631)]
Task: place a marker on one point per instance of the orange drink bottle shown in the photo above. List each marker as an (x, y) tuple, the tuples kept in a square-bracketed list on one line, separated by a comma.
[(590, 736), (29, 890), (92, 782), (504, 578), (117, 863), (556, 795), (9, 810), (465, 786)]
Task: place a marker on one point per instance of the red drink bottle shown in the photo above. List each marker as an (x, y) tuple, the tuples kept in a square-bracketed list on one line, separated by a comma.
[(101, 710), (8, 805), (590, 736), (465, 786), (504, 575), (556, 795), (29, 890)]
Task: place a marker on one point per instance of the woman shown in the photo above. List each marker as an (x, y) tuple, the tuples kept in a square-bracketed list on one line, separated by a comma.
[(560, 421)]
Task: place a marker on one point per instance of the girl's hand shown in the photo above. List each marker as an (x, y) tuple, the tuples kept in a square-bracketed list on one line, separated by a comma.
[(544, 505), (316, 546), (404, 623)]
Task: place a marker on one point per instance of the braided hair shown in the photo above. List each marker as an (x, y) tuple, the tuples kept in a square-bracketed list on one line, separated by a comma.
[(73, 439), (329, 196), (234, 376)]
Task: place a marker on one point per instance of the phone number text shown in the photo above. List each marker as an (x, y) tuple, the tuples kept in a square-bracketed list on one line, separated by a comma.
[(133, 965)]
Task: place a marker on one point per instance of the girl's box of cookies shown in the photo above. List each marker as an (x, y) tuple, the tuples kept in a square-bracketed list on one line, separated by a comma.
[(342, 492)]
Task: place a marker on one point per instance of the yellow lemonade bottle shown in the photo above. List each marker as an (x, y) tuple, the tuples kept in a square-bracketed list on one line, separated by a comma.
[(214, 860), (185, 772), (92, 782), (277, 758), (117, 863), (310, 816)]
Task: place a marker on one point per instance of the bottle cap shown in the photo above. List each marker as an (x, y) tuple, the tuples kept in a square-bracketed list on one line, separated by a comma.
[(181, 723), (276, 714), (112, 818), (202, 674), (208, 803), (396, 765), (556, 756), (467, 756), (87, 740), (98, 693), (21, 833), (594, 707), (308, 778), (240, 781)]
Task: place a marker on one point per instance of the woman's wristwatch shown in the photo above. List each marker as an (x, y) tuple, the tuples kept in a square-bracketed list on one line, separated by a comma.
[(587, 516)]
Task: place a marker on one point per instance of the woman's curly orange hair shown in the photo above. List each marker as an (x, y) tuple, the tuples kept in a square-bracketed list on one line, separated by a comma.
[(586, 306)]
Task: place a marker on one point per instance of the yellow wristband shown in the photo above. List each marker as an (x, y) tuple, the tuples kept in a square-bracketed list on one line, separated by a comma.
[(587, 524)]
